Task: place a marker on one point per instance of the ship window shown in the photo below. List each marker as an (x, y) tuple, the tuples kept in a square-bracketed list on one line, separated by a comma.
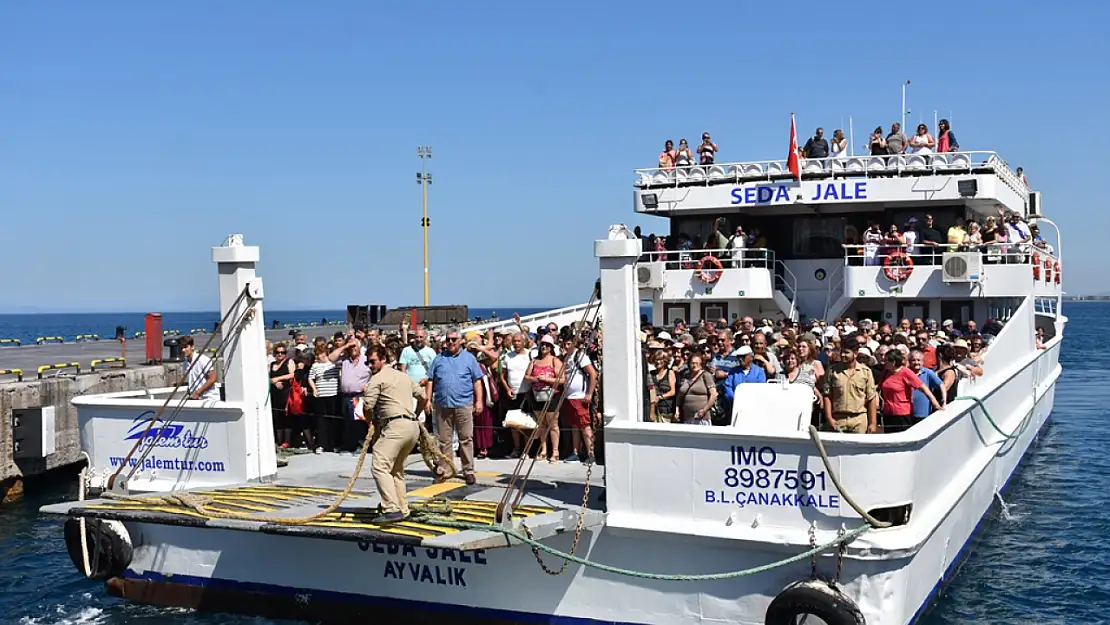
[(819, 237)]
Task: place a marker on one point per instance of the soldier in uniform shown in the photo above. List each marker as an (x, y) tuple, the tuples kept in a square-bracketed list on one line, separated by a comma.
[(390, 394)]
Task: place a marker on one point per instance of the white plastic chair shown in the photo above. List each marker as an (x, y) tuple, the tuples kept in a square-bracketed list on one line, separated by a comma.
[(662, 176), (752, 170), (959, 161)]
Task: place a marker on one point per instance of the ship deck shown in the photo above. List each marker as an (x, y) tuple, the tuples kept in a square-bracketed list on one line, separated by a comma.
[(310, 483)]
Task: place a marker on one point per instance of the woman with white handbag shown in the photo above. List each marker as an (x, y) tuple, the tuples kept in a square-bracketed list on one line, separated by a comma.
[(513, 369)]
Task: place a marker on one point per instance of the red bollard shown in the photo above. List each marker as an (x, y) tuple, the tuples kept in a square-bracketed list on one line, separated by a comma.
[(154, 337)]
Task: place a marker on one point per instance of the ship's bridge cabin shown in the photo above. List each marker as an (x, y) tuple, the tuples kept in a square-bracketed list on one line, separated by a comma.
[(806, 253)]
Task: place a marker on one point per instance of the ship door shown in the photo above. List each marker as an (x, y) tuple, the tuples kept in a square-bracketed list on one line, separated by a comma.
[(959, 311), (913, 310)]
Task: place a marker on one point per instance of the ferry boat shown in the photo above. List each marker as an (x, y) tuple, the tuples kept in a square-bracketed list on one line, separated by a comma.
[(758, 522)]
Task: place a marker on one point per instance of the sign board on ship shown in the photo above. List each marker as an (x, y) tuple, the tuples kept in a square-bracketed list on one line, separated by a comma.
[(787, 192)]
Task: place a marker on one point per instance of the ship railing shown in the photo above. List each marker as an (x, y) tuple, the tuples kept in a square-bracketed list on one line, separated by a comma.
[(893, 165), (742, 258), (835, 281), (875, 254), (534, 320)]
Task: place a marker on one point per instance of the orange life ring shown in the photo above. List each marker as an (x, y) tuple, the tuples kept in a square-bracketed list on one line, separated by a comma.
[(712, 273), (1048, 269), (898, 266), (1057, 272), (1036, 266)]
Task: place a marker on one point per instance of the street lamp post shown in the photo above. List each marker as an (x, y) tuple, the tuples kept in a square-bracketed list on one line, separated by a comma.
[(423, 178)]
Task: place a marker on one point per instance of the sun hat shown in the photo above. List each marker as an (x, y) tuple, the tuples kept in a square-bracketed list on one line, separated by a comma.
[(743, 350)]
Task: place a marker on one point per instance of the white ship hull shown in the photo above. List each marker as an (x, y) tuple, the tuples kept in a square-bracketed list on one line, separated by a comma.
[(229, 570)]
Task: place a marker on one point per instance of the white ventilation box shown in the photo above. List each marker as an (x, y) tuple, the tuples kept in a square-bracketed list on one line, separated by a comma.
[(649, 275), (772, 408), (1035, 207), (33, 432), (962, 267)]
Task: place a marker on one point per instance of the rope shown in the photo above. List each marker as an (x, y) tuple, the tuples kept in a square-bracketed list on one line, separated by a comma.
[(200, 504), (86, 567), (1021, 426), (871, 521), (671, 577)]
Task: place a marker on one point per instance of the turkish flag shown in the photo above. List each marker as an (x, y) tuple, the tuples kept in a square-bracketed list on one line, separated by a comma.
[(792, 159)]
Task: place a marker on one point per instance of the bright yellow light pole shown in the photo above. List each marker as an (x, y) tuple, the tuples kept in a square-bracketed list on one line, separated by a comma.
[(423, 178)]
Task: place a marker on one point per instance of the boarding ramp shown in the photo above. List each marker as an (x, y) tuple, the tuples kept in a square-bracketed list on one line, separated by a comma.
[(560, 316), (772, 408)]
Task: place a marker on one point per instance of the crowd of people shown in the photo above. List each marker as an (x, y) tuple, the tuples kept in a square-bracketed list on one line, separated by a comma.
[(1007, 238), (866, 376), (472, 381)]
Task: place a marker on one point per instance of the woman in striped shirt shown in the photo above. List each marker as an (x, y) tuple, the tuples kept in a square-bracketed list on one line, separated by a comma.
[(323, 379)]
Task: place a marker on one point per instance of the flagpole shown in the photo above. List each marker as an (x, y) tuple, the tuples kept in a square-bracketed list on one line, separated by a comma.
[(935, 122), (904, 105), (851, 138)]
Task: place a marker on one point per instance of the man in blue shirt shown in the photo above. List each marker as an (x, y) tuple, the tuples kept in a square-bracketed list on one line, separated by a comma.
[(455, 385), (922, 407), (746, 372)]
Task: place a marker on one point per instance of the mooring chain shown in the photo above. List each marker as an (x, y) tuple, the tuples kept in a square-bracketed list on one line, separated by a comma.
[(841, 549), (813, 557), (578, 527)]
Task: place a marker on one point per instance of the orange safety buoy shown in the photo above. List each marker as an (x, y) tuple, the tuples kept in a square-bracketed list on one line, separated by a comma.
[(1036, 266), (1048, 269), (898, 266), (1057, 272), (710, 270)]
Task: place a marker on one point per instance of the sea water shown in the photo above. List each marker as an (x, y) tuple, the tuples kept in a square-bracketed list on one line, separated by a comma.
[(1042, 558)]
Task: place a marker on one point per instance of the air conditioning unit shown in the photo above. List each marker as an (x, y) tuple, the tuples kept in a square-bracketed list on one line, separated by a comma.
[(962, 267), (1035, 204), (649, 275)]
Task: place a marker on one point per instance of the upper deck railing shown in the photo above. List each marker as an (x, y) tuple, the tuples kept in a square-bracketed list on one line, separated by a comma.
[(894, 165), (741, 258), (871, 254)]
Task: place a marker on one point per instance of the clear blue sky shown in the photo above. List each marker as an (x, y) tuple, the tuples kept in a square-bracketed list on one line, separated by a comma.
[(135, 135)]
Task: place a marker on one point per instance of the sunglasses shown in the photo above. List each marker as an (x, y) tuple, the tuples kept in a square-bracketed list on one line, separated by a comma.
[(452, 339), (280, 353)]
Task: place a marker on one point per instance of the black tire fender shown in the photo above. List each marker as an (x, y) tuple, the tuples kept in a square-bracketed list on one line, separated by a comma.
[(814, 597), (108, 543)]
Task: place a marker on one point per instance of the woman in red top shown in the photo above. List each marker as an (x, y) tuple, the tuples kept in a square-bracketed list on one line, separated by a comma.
[(897, 386)]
